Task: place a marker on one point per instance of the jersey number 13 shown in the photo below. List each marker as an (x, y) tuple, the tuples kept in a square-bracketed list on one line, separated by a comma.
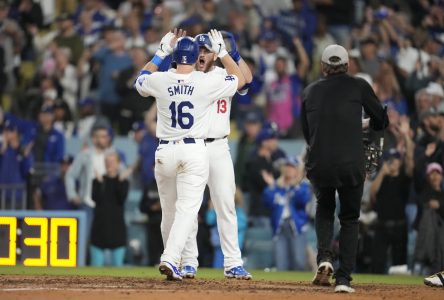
[(179, 116)]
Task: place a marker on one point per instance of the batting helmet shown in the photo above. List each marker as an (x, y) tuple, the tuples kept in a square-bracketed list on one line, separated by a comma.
[(203, 40), (186, 51)]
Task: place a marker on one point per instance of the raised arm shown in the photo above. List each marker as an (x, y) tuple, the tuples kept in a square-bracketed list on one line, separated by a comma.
[(218, 47), (165, 48)]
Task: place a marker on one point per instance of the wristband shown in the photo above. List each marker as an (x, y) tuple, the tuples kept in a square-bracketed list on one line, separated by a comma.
[(235, 56), (222, 53), (156, 60), (144, 72)]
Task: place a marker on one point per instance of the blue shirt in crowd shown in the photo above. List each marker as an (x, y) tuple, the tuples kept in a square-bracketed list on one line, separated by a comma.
[(110, 64)]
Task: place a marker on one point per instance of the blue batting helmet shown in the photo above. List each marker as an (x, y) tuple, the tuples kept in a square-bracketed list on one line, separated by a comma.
[(186, 51), (203, 40)]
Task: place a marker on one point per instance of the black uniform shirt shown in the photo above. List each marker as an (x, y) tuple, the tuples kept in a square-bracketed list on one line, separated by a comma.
[(331, 122)]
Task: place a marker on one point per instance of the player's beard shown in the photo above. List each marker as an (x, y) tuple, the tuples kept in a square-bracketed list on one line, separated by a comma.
[(204, 65)]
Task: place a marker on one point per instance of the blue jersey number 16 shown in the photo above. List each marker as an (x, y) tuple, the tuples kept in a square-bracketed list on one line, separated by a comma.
[(185, 119)]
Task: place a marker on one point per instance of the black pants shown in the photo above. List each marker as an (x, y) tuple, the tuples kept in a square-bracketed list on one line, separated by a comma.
[(387, 236), (350, 203), (155, 243)]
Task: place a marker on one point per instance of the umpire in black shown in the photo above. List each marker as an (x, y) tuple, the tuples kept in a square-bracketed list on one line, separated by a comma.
[(331, 118)]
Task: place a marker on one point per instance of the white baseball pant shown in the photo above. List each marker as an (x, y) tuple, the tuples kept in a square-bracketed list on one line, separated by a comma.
[(222, 189), (181, 172)]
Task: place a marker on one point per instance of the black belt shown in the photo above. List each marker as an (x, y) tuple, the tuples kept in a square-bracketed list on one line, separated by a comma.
[(210, 140), (185, 141)]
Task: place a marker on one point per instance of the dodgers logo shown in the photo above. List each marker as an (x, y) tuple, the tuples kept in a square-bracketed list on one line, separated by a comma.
[(229, 78), (202, 38), (184, 59)]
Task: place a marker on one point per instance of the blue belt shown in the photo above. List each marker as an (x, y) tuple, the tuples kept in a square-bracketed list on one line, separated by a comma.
[(185, 141)]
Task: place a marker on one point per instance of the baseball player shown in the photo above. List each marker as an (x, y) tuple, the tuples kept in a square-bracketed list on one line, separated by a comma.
[(221, 176), (183, 103)]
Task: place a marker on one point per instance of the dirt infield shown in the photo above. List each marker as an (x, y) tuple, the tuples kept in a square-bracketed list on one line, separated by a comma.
[(110, 288)]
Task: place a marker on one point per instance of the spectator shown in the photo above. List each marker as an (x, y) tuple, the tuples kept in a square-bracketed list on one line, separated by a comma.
[(88, 119), (49, 143), (88, 30), (12, 40), (112, 58), (51, 194), (300, 21), (67, 37), (29, 14), (244, 104), (108, 230), (284, 103), (429, 243), (389, 195), (287, 198), (134, 106), (388, 89), (63, 119), (86, 165), (340, 15), (261, 161), (150, 205), (245, 147), (369, 61), (211, 220), (66, 75), (15, 166)]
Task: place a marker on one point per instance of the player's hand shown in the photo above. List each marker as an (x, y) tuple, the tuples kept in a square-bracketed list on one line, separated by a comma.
[(217, 43), (233, 52), (168, 41)]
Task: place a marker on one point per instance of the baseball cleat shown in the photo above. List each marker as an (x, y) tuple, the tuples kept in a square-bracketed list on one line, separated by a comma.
[(323, 274), (435, 280), (188, 272), (343, 288), (168, 269), (237, 272)]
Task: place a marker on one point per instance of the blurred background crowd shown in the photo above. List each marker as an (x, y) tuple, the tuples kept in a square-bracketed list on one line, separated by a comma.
[(76, 135)]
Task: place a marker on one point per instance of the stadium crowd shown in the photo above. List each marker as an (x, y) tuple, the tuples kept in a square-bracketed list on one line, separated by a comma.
[(67, 69)]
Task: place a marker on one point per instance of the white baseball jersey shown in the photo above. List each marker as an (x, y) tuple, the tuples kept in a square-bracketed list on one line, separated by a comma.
[(220, 112), (183, 100)]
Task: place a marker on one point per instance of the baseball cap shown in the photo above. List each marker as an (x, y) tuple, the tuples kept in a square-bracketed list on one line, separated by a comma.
[(10, 125), (86, 102), (291, 161), (50, 94), (335, 55), (266, 134), (434, 167), (252, 117), (269, 36), (435, 89), (68, 159), (47, 109), (138, 126)]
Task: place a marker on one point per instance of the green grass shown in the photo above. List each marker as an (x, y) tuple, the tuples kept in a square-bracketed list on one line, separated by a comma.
[(203, 273)]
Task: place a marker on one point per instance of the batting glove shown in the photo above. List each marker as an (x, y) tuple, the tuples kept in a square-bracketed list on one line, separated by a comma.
[(165, 47), (217, 43), (234, 53)]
